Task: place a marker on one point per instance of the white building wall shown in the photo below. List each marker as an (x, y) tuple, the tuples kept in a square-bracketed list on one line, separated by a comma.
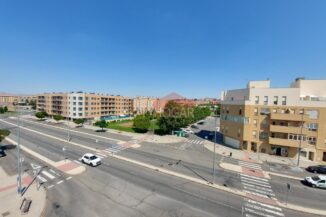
[(76, 105)]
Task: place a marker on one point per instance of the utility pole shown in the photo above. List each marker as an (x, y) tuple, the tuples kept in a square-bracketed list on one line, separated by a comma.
[(68, 130), (214, 160), (301, 137), (19, 178)]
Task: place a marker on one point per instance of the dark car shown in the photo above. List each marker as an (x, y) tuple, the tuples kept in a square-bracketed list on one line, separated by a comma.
[(321, 169), (2, 153)]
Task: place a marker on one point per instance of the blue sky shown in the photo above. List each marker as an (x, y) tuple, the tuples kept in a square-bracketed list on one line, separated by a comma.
[(154, 47)]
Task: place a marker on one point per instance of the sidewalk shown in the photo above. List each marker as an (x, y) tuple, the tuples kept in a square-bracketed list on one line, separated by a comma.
[(11, 201), (257, 157)]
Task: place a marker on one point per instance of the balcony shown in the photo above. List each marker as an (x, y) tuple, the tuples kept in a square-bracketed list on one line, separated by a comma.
[(286, 129), (287, 142), (289, 117)]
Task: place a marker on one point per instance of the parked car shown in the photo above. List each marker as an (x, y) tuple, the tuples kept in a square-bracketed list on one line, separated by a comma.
[(317, 169), (316, 181), (194, 126), (2, 153), (186, 130), (91, 160), (201, 122)]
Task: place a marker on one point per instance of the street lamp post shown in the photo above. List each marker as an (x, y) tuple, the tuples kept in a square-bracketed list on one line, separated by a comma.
[(19, 170), (214, 160), (301, 137), (68, 130)]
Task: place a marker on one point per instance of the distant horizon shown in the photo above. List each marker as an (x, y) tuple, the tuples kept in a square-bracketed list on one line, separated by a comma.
[(150, 48)]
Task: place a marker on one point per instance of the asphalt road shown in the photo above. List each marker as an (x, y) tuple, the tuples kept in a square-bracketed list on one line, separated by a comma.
[(199, 200)]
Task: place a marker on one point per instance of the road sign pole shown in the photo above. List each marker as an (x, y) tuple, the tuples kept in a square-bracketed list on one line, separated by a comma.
[(19, 180), (214, 160)]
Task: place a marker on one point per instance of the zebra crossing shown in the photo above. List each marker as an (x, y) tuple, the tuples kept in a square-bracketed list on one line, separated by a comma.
[(195, 141), (49, 178), (114, 149), (260, 200)]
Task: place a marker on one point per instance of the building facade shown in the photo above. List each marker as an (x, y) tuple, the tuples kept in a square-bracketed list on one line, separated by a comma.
[(144, 104), (90, 106), (277, 121)]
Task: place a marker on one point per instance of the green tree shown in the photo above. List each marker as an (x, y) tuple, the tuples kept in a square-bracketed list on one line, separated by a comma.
[(102, 124), (79, 121), (41, 115), (58, 117), (5, 109), (3, 134), (1, 110), (32, 103), (170, 123), (142, 123)]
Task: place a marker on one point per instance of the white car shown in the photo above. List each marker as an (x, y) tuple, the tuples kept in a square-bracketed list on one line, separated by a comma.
[(186, 130), (316, 181), (91, 160)]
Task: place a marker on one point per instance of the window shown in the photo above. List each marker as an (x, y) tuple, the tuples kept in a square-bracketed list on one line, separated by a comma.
[(265, 100), (80, 109), (254, 134), (240, 111), (312, 140), (80, 103), (74, 109), (313, 114), (255, 122), (283, 100), (80, 98), (265, 111), (239, 132), (275, 101), (263, 136), (256, 111), (74, 114), (257, 100), (80, 114), (74, 103), (74, 98), (312, 126)]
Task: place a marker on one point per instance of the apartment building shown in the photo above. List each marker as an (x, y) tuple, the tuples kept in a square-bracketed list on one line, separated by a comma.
[(144, 104), (84, 105), (278, 121)]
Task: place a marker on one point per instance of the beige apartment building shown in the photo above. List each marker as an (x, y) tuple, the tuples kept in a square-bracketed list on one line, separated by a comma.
[(277, 121), (84, 105), (144, 104)]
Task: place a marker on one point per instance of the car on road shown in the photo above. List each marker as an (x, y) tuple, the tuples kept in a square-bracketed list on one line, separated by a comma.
[(321, 169), (194, 126), (316, 181), (201, 122), (187, 130), (91, 160), (2, 153)]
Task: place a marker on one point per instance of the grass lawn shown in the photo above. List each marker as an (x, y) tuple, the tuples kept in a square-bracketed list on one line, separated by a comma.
[(127, 126)]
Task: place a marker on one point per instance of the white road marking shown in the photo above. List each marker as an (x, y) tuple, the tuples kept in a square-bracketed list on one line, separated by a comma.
[(265, 205), (58, 183), (259, 195), (42, 179), (253, 183), (258, 187), (253, 177), (261, 209), (257, 213), (49, 175), (51, 186), (100, 154), (250, 166), (76, 161), (69, 178), (255, 180), (258, 191)]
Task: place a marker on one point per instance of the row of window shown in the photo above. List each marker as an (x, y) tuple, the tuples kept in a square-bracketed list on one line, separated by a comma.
[(275, 100)]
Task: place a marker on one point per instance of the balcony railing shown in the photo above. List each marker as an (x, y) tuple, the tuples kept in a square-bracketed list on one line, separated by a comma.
[(289, 117), (287, 142)]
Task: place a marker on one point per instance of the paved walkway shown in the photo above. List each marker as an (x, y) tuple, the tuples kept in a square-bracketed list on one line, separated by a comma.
[(11, 201), (255, 157)]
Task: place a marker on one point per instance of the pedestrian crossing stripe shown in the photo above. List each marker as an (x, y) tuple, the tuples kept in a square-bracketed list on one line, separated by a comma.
[(257, 213), (264, 205), (198, 142), (42, 179), (261, 185), (100, 154), (49, 175), (259, 191), (262, 209), (260, 195), (264, 182), (253, 177), (257, 187), (250, 165)]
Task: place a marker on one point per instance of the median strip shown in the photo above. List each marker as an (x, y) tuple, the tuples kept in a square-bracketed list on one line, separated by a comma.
[(179, 175)]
